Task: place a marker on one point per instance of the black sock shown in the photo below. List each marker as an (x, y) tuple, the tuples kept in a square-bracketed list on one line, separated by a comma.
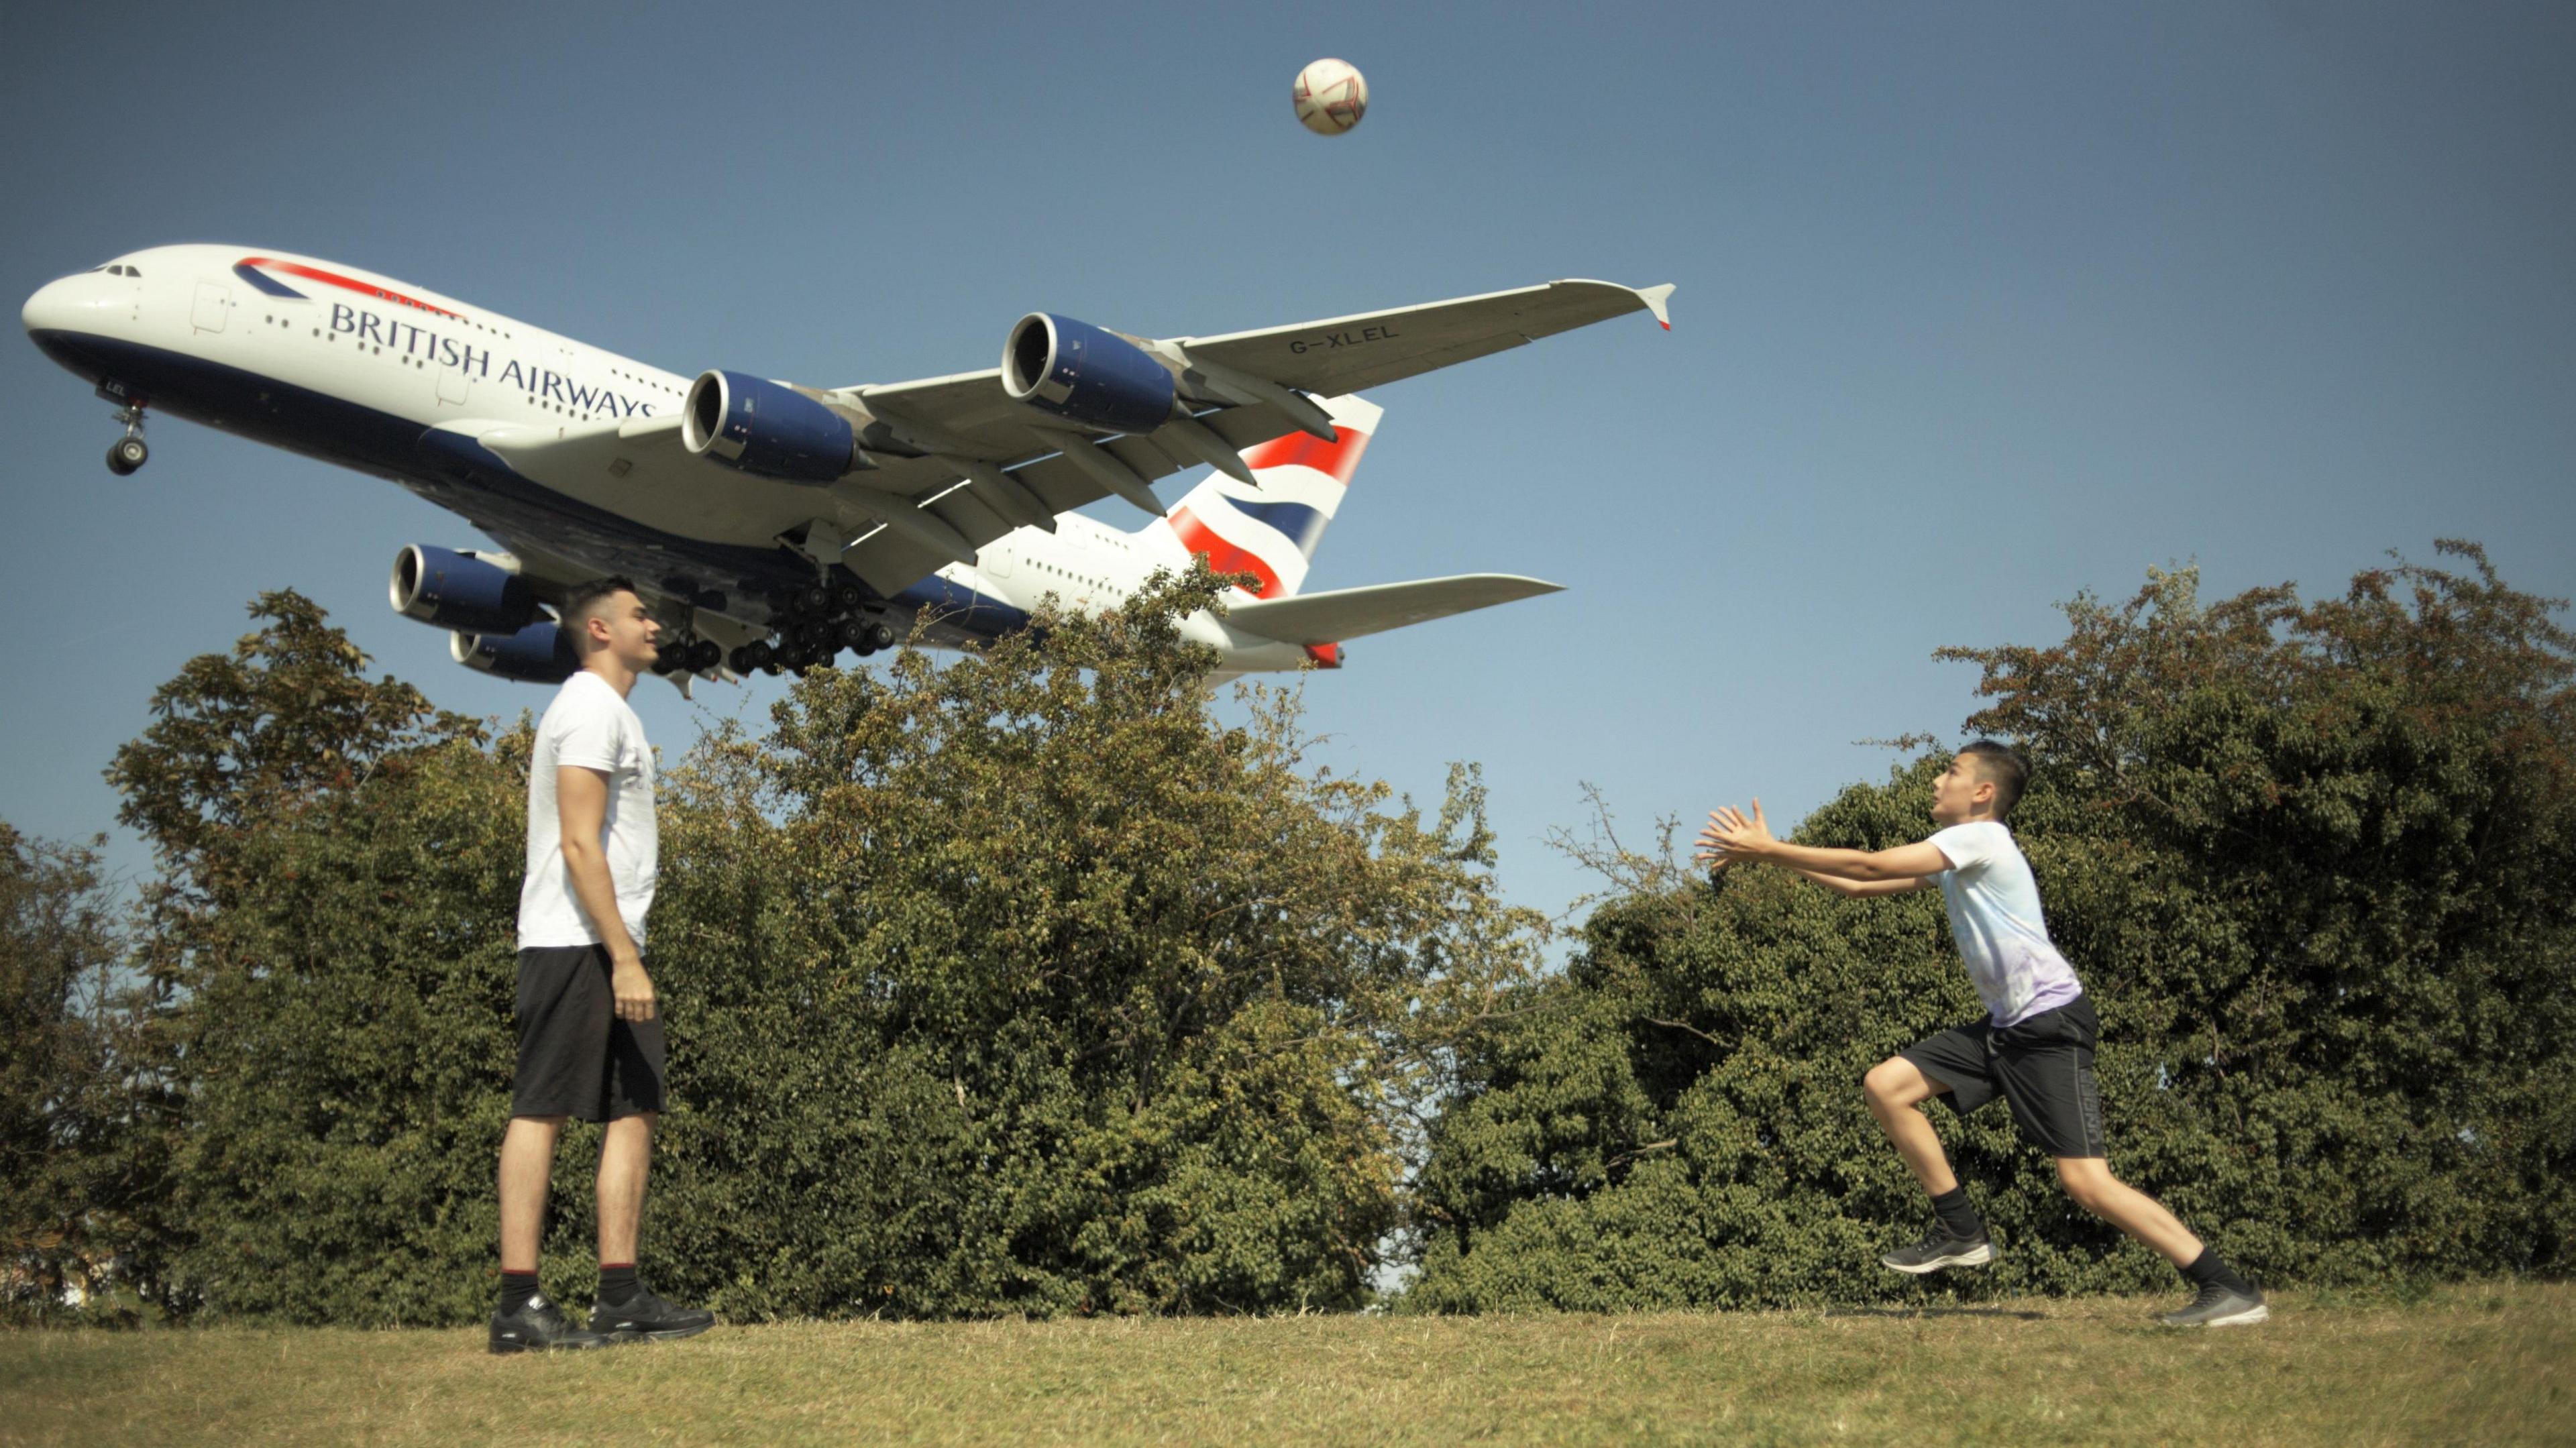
[(516, 1289), (2209, 1267), (1957, 1217), (617, 1284)]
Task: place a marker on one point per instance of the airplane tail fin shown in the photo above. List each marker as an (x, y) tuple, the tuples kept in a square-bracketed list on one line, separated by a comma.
[(1271, 531)]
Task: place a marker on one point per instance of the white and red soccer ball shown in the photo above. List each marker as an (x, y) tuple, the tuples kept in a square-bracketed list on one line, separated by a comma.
[(1331, 97)]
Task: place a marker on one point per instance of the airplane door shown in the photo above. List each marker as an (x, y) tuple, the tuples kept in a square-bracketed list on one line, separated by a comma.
[(451, 386), (214, 299)]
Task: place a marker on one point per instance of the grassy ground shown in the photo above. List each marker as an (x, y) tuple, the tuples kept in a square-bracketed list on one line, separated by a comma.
[(2492, 1364)]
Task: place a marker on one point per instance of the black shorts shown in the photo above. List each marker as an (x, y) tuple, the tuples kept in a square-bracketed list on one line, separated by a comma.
[(576, 1058), (2043, 1066)]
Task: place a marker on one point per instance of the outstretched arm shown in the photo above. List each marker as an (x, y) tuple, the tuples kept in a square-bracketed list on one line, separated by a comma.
[(1862, 889), (1732, 836)]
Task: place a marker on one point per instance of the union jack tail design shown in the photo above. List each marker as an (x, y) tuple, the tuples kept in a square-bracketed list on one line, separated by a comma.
[(1270, 532)]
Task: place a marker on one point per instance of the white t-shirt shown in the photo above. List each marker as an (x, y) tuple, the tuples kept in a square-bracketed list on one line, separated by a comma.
[(1995, 917), (589, 725)]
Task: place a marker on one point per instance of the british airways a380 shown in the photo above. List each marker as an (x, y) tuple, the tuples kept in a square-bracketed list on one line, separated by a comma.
[(773, 525)]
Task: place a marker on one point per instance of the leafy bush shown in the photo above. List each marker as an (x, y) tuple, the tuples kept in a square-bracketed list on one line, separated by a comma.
[(1019, 985)]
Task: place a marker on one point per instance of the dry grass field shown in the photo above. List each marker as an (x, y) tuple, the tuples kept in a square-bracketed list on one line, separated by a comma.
[(2479, 1364)]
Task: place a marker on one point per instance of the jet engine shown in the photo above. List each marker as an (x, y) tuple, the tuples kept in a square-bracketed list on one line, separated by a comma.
[(766, 429), (1076, 370), (537, 654), (461, 590)]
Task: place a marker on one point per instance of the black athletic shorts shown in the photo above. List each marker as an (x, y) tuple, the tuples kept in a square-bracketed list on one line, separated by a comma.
[(2043, 1066), (576, 1058)]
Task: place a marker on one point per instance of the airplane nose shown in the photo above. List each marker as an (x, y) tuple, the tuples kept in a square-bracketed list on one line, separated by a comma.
[(58, 306)]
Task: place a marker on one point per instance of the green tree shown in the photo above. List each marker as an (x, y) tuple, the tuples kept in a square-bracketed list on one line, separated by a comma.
[(328, 974), (1011, 984), (65, 1190), (1048, 994), (2307, 857)]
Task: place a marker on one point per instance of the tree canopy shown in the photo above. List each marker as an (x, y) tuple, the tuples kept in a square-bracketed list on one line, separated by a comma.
[(1013, 983), (1019, 983)]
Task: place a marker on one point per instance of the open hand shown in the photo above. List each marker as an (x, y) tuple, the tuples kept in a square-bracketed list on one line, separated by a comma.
[(1731, 836)]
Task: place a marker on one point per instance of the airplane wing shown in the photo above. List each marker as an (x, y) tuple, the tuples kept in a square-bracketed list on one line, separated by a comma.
[(955, 463), (1336, 354), (892, 525), (1350, 613), (1348, 354), (1255, 379)]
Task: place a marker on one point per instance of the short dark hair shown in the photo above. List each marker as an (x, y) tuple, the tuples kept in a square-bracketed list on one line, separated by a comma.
[(1999, 766), (582, 604)]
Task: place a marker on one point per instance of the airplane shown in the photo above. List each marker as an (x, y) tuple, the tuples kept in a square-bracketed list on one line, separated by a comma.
[(772, 525)]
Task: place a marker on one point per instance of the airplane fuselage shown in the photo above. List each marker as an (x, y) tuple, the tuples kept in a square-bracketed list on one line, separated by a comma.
[(392, 379)]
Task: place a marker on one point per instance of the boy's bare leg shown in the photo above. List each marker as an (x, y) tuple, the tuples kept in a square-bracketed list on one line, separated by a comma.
[(1895, 1087), (527, 1160), (2089, 1181), (625, 1158)]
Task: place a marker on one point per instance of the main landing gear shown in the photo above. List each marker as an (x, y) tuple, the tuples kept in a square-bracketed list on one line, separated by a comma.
[(814, 625), (128, 452), (689, 656)]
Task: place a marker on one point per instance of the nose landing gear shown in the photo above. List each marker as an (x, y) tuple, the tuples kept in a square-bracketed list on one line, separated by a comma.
[(128, 452)]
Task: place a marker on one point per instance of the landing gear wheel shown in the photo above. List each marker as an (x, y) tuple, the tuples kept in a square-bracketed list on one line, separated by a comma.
[(750, 658), (128, 453), (879, 637), (846, 596), (705, 654)]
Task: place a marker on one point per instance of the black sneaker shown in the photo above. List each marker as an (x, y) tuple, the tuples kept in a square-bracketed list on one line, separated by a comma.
[(646, 1315), (1942, 1250), (540, 1327), (2220, 1306)]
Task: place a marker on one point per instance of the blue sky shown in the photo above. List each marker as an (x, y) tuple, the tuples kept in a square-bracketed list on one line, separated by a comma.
[(1981, 305)]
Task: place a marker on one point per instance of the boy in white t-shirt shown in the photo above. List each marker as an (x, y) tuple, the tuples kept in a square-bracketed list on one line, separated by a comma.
[(2035, 1048), (590, 1029)]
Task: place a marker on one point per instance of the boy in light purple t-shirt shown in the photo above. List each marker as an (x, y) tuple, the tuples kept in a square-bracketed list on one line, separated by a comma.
[(2035, 1047)]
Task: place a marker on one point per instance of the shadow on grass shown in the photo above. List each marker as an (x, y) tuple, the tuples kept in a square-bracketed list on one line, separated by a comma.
[(2023, 1314)]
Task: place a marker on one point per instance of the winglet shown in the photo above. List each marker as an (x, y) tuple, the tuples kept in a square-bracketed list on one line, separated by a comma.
[(1654, 298)]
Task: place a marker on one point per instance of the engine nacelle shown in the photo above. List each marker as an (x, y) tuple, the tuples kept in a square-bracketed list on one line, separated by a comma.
[(1076, 370), (460, 591), (538, 654), (766, 430)]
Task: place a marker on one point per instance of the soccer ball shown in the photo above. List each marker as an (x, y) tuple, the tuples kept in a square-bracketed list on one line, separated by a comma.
[(1331, 97)]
